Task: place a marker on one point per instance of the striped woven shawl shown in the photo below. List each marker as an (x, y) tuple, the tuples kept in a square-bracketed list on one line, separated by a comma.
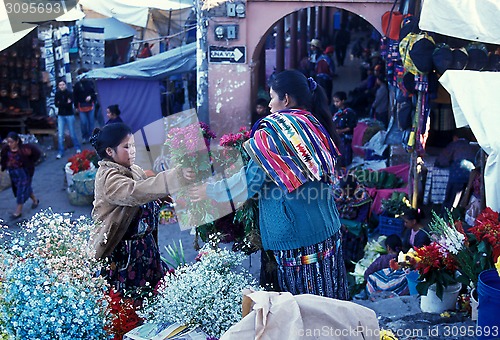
[(292, 147)]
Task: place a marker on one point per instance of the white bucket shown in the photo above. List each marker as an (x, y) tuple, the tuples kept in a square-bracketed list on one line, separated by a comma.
[(69, 173), (430, 303), (473, 305)]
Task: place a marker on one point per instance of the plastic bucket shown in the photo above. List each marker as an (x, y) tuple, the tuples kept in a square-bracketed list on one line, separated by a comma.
[(430, 303), (412, 278), (488, 291)]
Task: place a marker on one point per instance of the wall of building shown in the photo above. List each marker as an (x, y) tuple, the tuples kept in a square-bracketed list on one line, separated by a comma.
[(231, 85)]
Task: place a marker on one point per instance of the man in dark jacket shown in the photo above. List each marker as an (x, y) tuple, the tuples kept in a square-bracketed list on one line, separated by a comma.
[(85, 104), (64, 103)]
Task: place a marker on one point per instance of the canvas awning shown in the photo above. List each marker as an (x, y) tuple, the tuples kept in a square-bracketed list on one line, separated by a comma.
[(466, 19), (130, 11), (8, 38), (113, 28), (178, 60), (474, 95)]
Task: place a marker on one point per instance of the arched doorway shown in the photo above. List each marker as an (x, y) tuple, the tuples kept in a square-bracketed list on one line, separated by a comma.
[(233, 86)]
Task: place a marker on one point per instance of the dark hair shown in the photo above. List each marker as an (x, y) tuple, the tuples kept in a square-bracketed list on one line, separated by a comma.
[(394, 241), (114, 109), (340, 95), (13, 135), (413, 214), (82, 71), (308, 95), (262, 102), (110, 136), (62, 80)]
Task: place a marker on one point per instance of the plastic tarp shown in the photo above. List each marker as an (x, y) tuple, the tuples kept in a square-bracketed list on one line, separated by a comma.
[(139, 100), (113, 28), (130, 11), (7, 38), (178, 60), (475, 101), (466, 19)]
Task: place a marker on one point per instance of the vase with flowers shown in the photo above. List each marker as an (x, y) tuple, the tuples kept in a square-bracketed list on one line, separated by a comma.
[(439, 280)]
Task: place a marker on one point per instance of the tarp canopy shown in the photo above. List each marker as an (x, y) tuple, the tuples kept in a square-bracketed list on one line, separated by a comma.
[(466, 19), (474, 95), (475, 101), (7, 38), (113, 28), (178, 60), (131, 12)]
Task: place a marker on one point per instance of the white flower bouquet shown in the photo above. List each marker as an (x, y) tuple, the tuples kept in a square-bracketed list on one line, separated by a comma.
[(207, 293), (49, 288)]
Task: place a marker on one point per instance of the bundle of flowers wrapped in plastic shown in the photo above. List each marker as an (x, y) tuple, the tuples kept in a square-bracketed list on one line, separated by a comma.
[(49, 289), (207, 293), (373, 249)]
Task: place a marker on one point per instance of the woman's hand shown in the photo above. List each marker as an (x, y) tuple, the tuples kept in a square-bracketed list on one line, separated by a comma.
[(188, 174), (198, 192)]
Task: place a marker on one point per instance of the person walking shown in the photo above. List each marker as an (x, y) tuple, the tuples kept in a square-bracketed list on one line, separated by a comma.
[(65, 117), (293, 153), (126, 212), (19, 159), (85, 98)]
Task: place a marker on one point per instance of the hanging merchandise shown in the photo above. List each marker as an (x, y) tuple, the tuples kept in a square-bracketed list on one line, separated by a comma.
[(418, 46), (48, 57), (442, 57), (408, 25), (391, 23), (460, 58), (478, 56)]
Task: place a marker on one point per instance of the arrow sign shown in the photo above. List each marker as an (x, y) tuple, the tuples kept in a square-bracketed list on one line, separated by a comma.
[(229, 55)]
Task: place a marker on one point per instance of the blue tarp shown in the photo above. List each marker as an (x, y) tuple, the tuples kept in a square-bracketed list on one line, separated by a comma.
[(178, 60), (135, 86)]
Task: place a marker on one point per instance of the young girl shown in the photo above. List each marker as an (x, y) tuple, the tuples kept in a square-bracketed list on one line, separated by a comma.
[(20, 160), (345, 121), (414, 234), (126, 212)]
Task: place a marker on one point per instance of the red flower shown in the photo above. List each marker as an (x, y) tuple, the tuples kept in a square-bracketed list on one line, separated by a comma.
[(124, 315), (81, 161)]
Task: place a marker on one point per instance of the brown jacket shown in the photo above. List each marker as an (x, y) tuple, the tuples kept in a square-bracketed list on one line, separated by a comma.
[(119, 193)]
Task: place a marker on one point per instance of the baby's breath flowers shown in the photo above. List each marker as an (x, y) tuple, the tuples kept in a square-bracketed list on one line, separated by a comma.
[(49, 285), (208, 292)]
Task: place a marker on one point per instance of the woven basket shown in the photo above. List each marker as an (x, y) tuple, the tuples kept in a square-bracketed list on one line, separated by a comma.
[(78, 199), (84, 182)]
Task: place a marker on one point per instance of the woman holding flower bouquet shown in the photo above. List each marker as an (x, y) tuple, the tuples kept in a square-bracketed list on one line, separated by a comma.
[(126, 212), (293, 154)]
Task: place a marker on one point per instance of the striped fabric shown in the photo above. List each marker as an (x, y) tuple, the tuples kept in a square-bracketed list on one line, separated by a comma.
[(388, 280), (292, 147), (326, 277)]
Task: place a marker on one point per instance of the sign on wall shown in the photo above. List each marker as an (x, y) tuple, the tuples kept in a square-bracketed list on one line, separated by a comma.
[(228, 55)]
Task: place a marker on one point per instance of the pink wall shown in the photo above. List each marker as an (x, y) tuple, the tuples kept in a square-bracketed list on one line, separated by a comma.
[(230, 85)]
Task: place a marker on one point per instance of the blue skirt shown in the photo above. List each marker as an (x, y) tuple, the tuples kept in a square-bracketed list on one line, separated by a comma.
[(318, 269), (21, 184)]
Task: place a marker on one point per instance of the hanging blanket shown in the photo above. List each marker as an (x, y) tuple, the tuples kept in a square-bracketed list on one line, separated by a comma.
[(292, 147)]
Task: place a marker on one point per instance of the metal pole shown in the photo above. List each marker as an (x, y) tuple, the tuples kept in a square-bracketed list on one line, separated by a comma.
[(413, 140), (201, 63)]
